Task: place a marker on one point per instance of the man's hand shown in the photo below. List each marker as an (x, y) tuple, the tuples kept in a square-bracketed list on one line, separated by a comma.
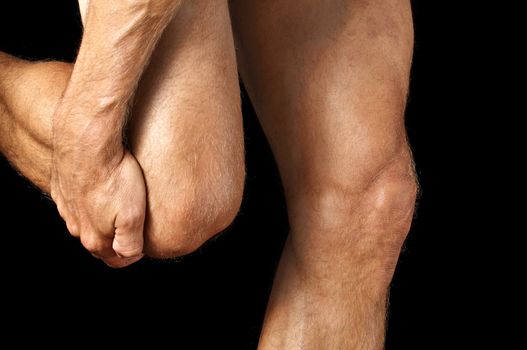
[(103, 203)]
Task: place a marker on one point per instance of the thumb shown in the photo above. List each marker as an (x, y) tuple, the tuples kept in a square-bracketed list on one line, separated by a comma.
[(130, 219), (128, 239)]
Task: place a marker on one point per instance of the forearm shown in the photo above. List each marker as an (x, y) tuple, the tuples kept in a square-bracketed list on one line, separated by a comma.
[(117, 44)]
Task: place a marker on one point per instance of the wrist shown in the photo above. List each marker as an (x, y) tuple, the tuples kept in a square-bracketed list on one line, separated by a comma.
[(88, 126), (87, 140)]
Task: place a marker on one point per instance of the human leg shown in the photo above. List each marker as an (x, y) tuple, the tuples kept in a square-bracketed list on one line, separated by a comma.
[(29, 92), (328, 80), (186, 131), (185, 128)]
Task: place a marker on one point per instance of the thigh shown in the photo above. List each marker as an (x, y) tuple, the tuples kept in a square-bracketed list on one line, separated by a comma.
[(185, 126), (328, 80)]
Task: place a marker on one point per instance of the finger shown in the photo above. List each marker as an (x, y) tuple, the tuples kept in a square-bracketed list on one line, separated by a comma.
[(128, 239), (117, 262), (72, 227), (71, 222), (98, 245)]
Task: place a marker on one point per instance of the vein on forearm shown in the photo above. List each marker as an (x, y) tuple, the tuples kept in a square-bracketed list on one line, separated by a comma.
[(118, 42)]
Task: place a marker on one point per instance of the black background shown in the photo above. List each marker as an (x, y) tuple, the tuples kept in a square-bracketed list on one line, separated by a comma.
[(216, 297)]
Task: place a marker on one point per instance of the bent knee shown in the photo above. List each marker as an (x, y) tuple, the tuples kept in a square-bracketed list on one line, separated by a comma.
[(388, 203), (181, 224)]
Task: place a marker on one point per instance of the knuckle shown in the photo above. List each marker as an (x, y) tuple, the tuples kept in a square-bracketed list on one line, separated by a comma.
[(73, 229), (94, 245)]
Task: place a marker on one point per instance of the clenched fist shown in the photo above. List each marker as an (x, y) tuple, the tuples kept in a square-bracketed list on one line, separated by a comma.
[(100, 193)]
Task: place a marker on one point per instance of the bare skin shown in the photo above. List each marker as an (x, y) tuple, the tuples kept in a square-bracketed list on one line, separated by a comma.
[(328, 80), (190, 149), (96, 182), (329, 83)]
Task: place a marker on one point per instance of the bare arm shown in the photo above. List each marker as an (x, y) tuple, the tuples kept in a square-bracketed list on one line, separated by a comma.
[(118, 41), (97, 184)]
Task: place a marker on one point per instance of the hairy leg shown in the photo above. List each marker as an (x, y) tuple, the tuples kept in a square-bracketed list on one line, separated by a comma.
[(329, 81), (29, 92), (186, 131), (185, 127)]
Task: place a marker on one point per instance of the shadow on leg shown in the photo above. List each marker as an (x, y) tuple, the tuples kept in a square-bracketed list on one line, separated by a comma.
[(328, 80)]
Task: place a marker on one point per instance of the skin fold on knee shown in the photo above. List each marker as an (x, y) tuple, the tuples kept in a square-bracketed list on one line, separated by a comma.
[(363, 227)]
